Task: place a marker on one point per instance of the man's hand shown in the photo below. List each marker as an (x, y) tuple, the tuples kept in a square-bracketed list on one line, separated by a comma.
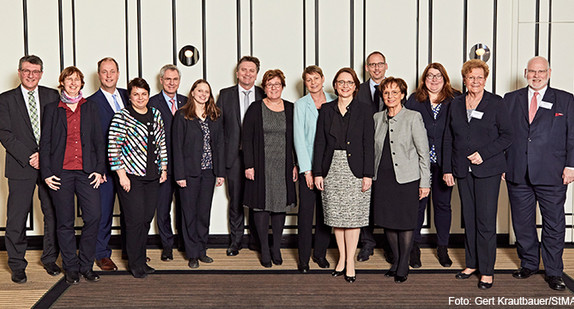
[(35, 160)]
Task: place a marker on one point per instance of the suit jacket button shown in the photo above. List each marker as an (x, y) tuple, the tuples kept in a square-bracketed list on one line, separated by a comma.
[(391, 130), (396, 164), (393, 153), (348, 155), (391, 142), (348, 143)]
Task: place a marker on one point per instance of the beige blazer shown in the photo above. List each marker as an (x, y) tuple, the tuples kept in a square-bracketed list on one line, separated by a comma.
[(409, 145)]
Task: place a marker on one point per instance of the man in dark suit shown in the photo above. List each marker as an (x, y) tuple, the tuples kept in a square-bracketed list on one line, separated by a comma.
[(20, 119), (110, 100), (369, 95), (540, 167), (168, 101), (233, 102)]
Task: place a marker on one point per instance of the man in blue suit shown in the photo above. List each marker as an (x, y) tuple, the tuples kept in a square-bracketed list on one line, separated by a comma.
[(168, 101), (540, 167), (110, 100)]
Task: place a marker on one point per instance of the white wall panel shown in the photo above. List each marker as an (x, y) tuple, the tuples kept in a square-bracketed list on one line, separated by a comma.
[(43, 38), (189, 32), (447, 34), (479, 29)]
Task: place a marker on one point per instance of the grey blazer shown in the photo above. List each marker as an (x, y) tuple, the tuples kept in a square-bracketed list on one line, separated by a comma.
[(409, 145)]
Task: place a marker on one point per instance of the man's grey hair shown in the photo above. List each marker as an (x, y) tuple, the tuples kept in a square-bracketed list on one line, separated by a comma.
[(169, 67)]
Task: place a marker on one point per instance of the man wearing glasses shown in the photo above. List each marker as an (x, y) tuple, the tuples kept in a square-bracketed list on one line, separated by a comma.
[(20, 115)]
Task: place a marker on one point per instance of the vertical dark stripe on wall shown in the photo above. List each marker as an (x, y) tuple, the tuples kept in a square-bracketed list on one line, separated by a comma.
[(60, 34), (238, 9), (494, 43), (74, 31), (417, 44), (174, 31), (127, 42), (430, 31), (25, 24), (139, 20), (537, 30), (365, 35), (203, 39), (317, 32), (304, 42), (251, 27), (352, 37), (549, 31), (464, 35)]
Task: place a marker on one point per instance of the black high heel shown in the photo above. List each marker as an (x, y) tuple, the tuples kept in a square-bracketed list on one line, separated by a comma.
[(350, 279), (337, 273)]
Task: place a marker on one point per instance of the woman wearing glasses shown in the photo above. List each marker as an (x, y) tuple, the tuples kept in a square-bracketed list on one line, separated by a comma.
[(269, 164), (343, 163), (432, 100), (402, 172), (478, 131)]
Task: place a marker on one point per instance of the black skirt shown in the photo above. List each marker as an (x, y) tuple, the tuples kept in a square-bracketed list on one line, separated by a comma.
[(395, 206)]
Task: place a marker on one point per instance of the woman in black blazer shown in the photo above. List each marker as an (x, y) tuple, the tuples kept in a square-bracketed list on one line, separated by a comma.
[(432, 100), (197, 166), (478, 132), (72, 162), (343, 166)]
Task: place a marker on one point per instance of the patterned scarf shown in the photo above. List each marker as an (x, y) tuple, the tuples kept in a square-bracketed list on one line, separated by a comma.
[(66, 99)]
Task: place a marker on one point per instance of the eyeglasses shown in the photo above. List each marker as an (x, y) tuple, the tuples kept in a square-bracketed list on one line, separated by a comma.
[(391, 94), (342, 83), (475, 78), (27, 72), (433, 76), (376, 65), (540, 72), (272, 86)]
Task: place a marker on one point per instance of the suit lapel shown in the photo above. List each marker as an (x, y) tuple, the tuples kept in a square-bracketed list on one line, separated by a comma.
[(550, 97), (235, 99), (21, 105), (104, 102)]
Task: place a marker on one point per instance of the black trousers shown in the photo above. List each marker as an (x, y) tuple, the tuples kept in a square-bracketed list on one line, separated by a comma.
[(235, 188), (139, 207), (479, 200), (163, 218), (551, 199), (77, 183), (310, 204), (196, 200), (441, 195), (20, 195)]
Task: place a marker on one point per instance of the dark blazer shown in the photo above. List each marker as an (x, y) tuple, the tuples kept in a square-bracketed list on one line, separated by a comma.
[(254, 153), (489, 136), (364, 96), (540, 150), (105, 110), (360, 140), (435, 127), (188, 146), (228, 102), (16, 132), (54, 134), (158, 101)]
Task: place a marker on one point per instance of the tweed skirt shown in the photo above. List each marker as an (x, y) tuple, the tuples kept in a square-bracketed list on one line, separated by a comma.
[(344, 205)]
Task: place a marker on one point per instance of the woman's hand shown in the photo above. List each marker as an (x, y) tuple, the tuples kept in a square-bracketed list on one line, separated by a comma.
[(423, 192), (475, 158), (98, 179), (366, 184), (309, 180), (250, 173), (219, 182), (181, 183), (319, 183), (163, 176), (124, 180), (295, 174), (448, 179), (53, 182)]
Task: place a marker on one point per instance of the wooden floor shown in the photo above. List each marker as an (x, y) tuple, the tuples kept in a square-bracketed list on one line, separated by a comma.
[(14, 295)]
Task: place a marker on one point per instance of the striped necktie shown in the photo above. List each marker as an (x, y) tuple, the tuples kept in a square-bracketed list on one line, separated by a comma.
[(34, 119)]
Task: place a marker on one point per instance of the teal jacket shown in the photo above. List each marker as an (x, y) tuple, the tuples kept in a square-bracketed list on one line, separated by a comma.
[(304, 128)]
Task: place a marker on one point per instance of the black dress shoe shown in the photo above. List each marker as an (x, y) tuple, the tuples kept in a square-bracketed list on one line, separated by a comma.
[(266, 264), (205, 259), (72, 277), (322, 262), (350, 279), (303, 268), (415, 256), (364, 254), (277, 261), (19, 276), (91, 276), (148, 269), (337, 273), (400, 279), (523, 273), (193, 263), (232, 252), (167, 255), (555, 283), (462, 275), (52, 269), (391, 273), (139, 273), (443, 258), (484, 285)]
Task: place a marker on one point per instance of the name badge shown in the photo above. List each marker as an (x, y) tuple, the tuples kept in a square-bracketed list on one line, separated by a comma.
[(476, 114), (546, 105)]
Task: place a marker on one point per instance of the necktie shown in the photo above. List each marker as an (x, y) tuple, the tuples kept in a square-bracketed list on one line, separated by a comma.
[(246, 100), (377, 97), (117, 107), (34, 119), (173, 107), (533, 107)]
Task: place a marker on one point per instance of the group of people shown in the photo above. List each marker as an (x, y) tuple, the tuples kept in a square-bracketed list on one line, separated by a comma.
[(364, 157)]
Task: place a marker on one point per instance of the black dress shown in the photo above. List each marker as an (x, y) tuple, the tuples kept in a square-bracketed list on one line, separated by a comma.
[(395, 206)]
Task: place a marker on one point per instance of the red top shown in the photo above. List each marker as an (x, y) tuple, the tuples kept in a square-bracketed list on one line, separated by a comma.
[(73, 154)]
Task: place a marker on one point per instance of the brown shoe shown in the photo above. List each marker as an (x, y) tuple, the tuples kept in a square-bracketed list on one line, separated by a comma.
[(106, 264)]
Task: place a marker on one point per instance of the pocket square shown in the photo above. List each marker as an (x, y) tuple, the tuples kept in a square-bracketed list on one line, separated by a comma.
[(558, 114)]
